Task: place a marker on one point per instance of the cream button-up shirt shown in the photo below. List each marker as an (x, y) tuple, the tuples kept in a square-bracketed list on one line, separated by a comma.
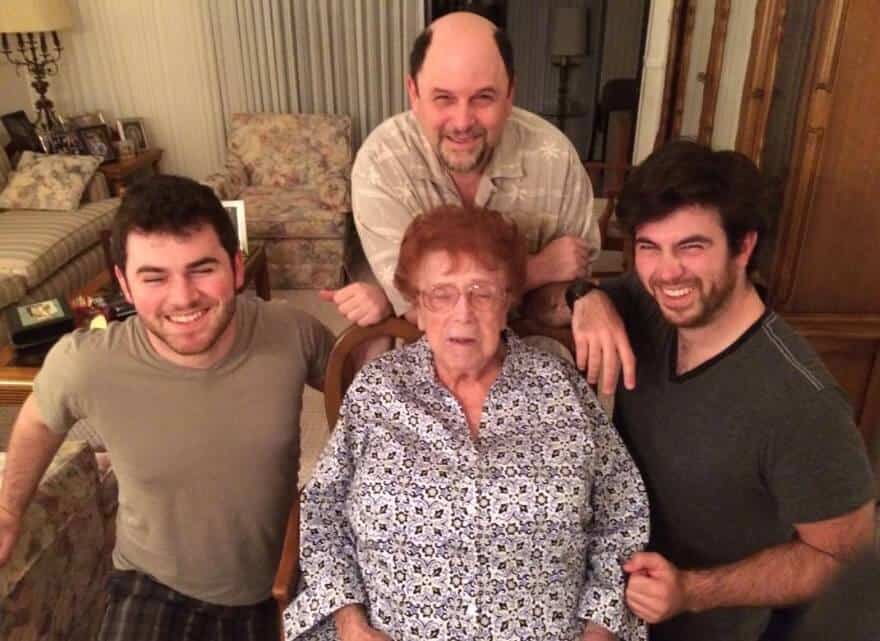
[(534, 176)]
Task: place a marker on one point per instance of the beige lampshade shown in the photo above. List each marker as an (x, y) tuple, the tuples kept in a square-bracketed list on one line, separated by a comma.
[(568, 31), (28, 16)]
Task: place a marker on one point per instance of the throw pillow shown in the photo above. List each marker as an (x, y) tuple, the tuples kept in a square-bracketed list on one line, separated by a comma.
[(44, 181)]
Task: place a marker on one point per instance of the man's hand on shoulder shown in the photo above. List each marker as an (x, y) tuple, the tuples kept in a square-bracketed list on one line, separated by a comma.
[(601, 342), (656, 589), (361, 303), (10, 527), (564, 259)]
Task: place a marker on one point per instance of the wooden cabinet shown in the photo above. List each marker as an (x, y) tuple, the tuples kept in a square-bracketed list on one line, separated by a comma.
[(825, 274)]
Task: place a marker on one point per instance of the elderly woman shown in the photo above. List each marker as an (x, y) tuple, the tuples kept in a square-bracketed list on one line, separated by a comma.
[(473, 487)]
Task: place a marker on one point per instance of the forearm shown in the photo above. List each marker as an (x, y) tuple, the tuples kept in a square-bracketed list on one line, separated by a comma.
[(547, 306), (779, 576), (31, 448), (537, 272)]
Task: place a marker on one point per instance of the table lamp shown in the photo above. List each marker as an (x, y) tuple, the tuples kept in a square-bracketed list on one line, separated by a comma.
[(25, 29), (568, 43)]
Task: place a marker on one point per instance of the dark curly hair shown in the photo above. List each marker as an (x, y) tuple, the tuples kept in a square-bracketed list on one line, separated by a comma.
[(173, 205), (684, 173)]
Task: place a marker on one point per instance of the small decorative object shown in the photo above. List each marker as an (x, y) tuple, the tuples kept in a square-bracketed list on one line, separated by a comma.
[(29, 25), (37, 324), (62, 141), (235, 209), (133, 129), (126, 149), (97, 142), (86, 120), (21, 132)]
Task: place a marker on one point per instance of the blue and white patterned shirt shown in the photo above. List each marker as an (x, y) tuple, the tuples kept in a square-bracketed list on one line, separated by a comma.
[(519, 534)]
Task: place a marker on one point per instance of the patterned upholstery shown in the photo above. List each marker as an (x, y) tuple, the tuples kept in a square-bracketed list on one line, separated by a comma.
[(45, 254), (48, 181), (52, 587), (292, 171), (35, 244)]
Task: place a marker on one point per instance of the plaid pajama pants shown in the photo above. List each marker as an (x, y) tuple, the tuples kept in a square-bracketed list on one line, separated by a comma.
[(140, 609)]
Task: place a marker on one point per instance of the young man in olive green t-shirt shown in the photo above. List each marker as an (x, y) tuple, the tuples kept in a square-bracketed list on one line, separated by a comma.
[(197, 399)]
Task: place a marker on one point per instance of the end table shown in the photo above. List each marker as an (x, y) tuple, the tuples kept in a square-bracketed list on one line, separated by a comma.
[(121, 170)]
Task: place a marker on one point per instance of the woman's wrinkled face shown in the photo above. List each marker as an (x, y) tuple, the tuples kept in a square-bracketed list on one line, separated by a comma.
[(462, 308)]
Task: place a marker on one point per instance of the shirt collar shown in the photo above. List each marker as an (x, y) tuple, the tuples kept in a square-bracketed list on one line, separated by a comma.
[(424, 358)]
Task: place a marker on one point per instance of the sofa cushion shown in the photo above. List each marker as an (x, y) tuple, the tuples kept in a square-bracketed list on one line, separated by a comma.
[(283, 213), (54, 182), (52, 585), (35, 244), (291, 150), (12, 289)]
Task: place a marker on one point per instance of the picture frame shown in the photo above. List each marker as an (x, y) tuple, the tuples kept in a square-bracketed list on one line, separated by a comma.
[(97, 141), (89, 119), (22, 133), (63, 142), (235, 210), (133, 129)]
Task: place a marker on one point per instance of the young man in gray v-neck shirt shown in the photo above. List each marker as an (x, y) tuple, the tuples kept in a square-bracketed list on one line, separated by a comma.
[(759, 484)]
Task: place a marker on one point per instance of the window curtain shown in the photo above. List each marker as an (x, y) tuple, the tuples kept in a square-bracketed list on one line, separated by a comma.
[(316, 56), (186, 65)]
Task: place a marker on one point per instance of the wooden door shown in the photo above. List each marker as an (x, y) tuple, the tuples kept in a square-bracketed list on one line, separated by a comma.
[(825, 277)]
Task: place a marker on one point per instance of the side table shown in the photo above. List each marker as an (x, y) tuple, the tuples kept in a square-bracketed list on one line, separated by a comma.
[(121, 170)]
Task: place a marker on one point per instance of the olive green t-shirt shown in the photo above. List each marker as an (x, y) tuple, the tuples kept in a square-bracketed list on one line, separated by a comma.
[(206, 459)]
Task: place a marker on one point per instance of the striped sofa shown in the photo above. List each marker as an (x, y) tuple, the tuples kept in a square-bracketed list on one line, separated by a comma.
[(45, 254)]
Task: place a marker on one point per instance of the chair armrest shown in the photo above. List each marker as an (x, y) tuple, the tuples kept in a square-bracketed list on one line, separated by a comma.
[(288, 567), (229, 181)]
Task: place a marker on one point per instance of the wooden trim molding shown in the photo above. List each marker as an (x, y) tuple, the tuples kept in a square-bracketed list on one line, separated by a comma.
[(859, 334), (672, 86), (814, 113), (687, 41), (713, 71), (760, 77), (860, 327)]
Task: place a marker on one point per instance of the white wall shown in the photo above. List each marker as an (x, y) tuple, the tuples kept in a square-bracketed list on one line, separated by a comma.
[(733, 73), (699, 56), (653, 78), (14, 94)]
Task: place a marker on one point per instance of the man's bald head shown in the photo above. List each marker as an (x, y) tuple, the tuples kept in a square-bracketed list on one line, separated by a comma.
[(461, 29)]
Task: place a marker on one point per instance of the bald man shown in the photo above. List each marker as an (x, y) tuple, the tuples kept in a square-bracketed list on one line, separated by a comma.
[(464, 143)]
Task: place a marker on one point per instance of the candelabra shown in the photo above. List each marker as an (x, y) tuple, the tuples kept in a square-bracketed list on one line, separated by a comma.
[(26, 28)]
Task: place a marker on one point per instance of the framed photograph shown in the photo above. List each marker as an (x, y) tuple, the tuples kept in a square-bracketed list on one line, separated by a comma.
[(21, 132), (62, 142), (85, 120), (96, 140), (235, 209), (133, 129)]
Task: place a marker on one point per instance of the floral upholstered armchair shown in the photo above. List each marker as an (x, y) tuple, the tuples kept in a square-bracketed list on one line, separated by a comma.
[(293, 173)]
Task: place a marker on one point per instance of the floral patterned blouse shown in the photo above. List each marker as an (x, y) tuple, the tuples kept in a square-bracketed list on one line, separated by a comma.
[(519, 534)]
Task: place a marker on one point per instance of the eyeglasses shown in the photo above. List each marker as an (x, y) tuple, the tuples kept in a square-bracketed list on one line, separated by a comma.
[(482, 297)]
